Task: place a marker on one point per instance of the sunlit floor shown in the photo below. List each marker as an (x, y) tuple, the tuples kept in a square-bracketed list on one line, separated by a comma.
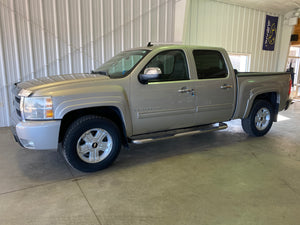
[(225, 177)]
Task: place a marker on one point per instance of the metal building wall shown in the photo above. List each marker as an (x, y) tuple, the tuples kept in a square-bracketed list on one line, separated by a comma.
[(235, 28), (41, 38)]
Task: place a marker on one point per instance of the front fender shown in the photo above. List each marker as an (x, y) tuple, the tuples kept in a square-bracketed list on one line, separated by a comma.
[(115, 97)]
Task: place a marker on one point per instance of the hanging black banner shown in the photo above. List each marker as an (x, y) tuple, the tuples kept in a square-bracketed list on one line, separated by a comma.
[(270, 33)]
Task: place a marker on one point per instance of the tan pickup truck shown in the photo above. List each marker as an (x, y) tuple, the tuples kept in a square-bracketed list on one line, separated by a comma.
[(141, 95)]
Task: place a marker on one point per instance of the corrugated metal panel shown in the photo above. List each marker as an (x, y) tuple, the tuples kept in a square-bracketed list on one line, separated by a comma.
[(41, 38), (235, 28)]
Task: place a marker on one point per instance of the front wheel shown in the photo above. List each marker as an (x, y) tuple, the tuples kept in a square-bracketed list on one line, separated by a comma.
[(260, 120), (91, 143)]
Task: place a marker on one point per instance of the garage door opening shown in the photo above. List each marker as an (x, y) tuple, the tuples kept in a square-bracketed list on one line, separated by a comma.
[(292, 66)]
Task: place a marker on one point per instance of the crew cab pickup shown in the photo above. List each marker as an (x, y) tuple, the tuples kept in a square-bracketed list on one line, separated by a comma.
[(141, 95)]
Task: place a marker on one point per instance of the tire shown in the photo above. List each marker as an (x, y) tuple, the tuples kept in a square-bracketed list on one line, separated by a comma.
[(260, 120), (91, 143)]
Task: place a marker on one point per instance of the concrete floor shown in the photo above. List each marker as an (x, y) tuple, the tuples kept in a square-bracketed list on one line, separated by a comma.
[(223, 177)]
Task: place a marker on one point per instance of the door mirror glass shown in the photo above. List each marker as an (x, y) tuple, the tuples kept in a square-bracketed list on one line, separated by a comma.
[(150, 73)]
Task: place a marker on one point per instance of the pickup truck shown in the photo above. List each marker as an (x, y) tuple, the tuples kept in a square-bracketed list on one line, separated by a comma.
[(142, 95)]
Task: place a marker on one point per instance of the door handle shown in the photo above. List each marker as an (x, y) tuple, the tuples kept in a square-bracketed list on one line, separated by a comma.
[(226, 86), (186, 90)]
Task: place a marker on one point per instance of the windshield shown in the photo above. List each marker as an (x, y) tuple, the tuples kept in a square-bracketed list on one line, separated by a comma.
[(122, 64)]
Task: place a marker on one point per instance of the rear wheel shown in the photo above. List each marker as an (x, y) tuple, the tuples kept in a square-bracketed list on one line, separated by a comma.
[(260, 120), (91, 143)]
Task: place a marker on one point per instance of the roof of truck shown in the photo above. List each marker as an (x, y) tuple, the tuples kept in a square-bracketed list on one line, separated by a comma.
[(172, 46)]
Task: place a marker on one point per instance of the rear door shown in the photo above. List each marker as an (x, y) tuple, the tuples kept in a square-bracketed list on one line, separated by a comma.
[(214, 89)]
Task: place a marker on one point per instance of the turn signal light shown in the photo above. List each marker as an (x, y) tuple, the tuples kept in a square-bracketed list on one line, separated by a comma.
[(49, 113)]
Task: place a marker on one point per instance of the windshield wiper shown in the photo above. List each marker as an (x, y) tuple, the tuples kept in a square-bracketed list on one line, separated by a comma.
[(99, 72)]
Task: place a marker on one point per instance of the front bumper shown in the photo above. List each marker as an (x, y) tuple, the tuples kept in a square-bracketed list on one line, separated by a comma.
[(38, 135)]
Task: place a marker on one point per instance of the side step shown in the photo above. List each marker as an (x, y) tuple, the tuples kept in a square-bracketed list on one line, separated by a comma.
[(158, 136)]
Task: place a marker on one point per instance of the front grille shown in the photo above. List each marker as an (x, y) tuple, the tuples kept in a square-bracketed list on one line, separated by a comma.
[(16, 101), (18, 113)]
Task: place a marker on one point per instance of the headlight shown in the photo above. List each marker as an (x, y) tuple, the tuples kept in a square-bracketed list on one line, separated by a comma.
[(37, 108)]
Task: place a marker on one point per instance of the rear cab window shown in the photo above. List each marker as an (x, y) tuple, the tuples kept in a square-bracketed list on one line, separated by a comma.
[(210, 64)]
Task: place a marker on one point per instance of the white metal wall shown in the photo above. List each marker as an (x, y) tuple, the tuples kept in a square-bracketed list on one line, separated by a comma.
[(235, 28), (46, 37)]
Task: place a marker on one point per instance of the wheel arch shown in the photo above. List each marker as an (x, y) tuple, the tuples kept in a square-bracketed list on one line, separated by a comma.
[(272, 97), (109, 112)]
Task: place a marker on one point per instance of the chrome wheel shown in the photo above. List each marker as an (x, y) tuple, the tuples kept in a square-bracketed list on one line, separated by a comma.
[(262, 119), (94, 145)]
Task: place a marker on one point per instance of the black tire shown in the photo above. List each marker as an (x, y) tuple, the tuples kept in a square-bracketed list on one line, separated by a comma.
[(260, 119), (84, 140)]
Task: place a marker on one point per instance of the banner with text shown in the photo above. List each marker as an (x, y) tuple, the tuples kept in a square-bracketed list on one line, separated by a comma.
[(270, 33)]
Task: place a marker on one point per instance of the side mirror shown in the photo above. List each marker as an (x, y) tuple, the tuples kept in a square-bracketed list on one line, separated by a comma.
[(150, 73)]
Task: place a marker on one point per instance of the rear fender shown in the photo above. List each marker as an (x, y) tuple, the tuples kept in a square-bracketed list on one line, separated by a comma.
[(272, 96)]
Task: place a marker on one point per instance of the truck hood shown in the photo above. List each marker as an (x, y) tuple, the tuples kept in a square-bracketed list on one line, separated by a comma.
[(59, 80)]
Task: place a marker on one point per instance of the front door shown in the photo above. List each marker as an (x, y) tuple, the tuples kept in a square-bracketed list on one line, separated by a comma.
[(168, 102)]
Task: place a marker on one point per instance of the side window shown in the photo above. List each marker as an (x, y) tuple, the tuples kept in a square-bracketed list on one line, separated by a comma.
[(172, 65), (210, 64)]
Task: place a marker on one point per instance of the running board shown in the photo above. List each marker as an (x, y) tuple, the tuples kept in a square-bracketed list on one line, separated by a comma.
[(165, 135)]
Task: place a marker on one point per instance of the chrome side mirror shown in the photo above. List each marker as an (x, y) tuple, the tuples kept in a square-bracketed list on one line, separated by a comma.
[(150, 73)]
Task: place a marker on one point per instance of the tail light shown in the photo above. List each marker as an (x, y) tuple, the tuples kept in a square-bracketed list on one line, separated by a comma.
[(290, 89)]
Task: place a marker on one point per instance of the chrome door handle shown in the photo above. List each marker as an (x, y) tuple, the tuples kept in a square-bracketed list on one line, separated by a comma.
[(185, 90), (226, 86)]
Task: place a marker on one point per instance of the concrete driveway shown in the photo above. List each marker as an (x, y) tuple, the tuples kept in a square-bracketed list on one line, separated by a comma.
[(225, 177)]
